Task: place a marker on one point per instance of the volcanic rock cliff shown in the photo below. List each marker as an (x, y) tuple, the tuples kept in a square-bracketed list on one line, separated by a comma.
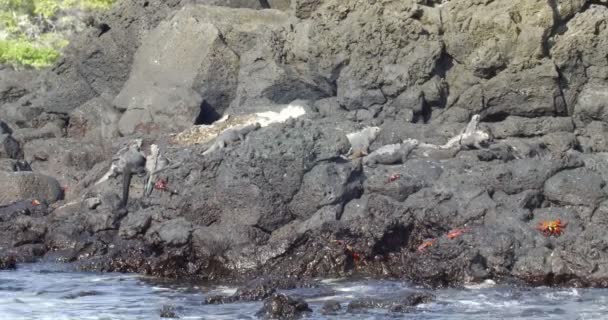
[(488, 117)]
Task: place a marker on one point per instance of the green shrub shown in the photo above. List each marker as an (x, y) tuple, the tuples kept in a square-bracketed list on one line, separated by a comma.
[(28, 33), (26, 53)]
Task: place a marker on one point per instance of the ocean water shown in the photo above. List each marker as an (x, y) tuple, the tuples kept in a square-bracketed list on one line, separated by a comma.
[(53, 291)]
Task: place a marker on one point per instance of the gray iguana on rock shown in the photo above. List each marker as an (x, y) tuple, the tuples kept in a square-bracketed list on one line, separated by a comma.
[(230, 136), (361, 140), (391, 154), (471, 137), (127, 161)]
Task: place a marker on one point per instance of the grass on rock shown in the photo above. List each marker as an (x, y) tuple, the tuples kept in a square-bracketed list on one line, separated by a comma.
[(33, 32)]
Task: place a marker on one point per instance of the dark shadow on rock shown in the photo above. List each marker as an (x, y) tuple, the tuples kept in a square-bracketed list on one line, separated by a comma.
[(208, 114)]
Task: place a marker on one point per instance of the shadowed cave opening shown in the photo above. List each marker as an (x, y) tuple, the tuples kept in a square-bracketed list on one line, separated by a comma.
[(207, 115)]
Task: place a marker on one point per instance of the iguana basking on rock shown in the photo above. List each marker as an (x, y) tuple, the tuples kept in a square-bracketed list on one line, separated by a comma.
[(230, 136), (130, 154), (360, 141), (127, 161), (391, 154), (471, 137)]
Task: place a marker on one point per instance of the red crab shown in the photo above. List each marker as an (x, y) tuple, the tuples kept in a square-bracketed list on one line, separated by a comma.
[(552, 227), (161, 184), (455, 233), (356, 257), (35, 202), (349, 251), (394, 177), (425, 244)]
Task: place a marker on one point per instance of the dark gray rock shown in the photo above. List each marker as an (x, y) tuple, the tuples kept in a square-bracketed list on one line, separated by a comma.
[(8, 263), (575, 187), (4, 128), (176, 232), (328, 107), (9, 147), (534, 92), (15, 84), (28, 185), (467, 31), (297, 147), (104, 219), (264, 83), (11, 165), (258, 290), (502, 152), (168, 312), (529, 127), (69, 160), (331, 308), (400, 304), (353, 95), (134, 224), (171, 98), (280, 306), (398, 182), (95, 120), (81, 294), (98, 64), (408, 57), (326, 184), (580, 59)]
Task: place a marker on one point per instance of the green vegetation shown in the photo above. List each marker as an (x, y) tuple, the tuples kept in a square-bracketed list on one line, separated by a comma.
[(26, 53), (32, 32)]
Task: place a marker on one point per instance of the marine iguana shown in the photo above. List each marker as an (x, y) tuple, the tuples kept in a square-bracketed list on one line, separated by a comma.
[(391, 154), (361, 140), (127, 161), (230, 136), (471, 137)]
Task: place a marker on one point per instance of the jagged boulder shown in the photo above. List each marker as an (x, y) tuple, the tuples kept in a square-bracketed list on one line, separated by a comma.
[(489, 36), (17, 186), (580, 52), (96, 120), (592, 103), (182, 63), (99, 60), (283, 307), (384, 63)]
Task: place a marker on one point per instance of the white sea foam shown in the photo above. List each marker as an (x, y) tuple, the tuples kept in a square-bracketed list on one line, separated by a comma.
[(290, 111)]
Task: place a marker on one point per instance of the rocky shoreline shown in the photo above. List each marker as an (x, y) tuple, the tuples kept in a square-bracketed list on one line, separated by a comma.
[(431, 140)]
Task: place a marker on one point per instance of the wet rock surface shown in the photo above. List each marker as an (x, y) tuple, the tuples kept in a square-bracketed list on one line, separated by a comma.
[(401, 304), (283, 307), (8, 263), (292, 199)]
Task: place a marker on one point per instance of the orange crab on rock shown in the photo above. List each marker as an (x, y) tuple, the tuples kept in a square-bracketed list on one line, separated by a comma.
[(426, 243), (455, 233), (552, 227)]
